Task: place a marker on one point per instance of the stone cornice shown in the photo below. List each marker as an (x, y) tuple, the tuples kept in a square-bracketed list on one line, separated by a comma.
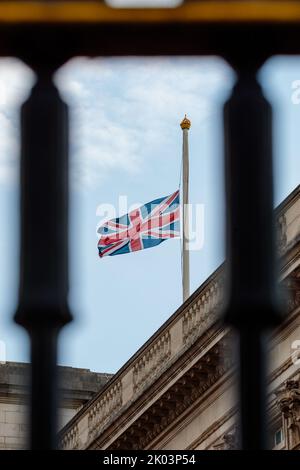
[(280, 370), (283, 331), (170, 375), (203, 402), (288, 201), (212, 429), (76, 386), (14, 399), (178, 398)]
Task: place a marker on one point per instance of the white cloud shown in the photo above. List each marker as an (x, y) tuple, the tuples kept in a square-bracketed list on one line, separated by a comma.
[(121, 107), (15, 83)]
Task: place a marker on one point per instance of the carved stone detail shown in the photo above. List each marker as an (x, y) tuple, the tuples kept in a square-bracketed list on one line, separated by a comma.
[(203, 312), (176, 400), (152, 361), (71, 439), (291, 287), (281, 234), (101, 412), (229, 441), (288, 400)]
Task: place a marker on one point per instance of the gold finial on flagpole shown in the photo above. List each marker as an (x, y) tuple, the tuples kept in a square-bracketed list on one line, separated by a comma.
[(185, 123)]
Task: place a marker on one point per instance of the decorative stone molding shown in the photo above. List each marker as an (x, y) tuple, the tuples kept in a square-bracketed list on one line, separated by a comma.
[(151, 362), (288, 401), (71, 439), (281, 234), (203, 311), (291, 288), (229, 441), (103, 409), (177, 399)]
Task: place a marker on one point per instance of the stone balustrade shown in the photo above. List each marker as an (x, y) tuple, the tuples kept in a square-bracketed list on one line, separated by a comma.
[(203, 311), (104, 408), (71, 439), (150, 362)]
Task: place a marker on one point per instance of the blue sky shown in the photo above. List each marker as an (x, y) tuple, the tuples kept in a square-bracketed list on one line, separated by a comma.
[(126, 141)]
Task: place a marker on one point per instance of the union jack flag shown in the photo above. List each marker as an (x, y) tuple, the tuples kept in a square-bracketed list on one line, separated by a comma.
[(145, 227)]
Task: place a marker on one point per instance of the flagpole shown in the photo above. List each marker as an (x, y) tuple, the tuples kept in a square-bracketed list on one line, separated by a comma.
[(185, 126)]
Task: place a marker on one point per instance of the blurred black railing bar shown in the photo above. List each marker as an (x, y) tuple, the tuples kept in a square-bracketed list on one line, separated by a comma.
[(43, 308), (252, 307)]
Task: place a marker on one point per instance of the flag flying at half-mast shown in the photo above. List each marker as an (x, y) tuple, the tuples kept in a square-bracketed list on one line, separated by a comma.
[(145, 227)]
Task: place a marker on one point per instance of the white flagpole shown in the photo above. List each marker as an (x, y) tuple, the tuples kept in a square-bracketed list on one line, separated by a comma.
[(185, 126)]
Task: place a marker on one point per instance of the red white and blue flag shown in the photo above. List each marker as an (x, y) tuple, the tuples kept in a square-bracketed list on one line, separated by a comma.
[(145, 227)]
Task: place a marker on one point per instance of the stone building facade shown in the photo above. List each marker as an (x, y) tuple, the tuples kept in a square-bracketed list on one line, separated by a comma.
[(178, 391), (77, 387)]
